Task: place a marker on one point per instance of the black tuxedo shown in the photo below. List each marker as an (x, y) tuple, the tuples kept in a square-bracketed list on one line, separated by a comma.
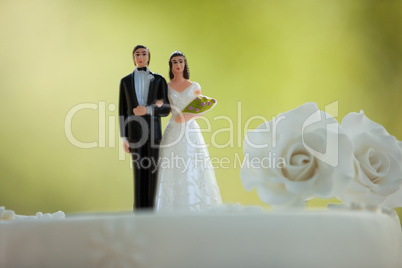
[(144, 135)]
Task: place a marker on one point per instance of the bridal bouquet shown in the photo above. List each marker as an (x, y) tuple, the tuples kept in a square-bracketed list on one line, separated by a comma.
[(201, 104), (305, 153)]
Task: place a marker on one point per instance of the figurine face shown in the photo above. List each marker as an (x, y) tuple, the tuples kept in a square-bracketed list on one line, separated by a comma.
[(141, 57), (178, 64)]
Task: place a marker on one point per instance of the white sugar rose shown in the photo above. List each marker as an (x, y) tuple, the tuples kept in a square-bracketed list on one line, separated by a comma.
[(300, 154), (378, 163)]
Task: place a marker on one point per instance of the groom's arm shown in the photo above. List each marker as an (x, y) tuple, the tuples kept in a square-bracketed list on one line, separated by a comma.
[(163, 110), (123, 111), (123, 117)]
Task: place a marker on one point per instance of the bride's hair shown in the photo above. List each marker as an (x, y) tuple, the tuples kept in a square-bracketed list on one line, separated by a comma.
[(186, 72)]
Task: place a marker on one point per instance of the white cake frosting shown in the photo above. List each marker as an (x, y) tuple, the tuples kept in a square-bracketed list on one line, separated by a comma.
[(234, 239), (9, 215)]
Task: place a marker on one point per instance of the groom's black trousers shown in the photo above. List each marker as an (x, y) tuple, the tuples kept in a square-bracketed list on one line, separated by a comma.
[(144, 160)]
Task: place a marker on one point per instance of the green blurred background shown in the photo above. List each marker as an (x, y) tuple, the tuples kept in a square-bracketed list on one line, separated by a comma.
[(255, 57)]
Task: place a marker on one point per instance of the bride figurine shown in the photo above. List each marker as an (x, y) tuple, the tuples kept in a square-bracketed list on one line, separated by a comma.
[(186, 177)]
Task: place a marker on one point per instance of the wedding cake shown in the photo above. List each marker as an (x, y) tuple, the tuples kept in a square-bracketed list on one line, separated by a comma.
[(365, 232), (221, 239)]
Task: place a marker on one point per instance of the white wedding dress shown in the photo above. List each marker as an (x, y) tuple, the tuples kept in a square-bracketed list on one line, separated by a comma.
[(186, 178)]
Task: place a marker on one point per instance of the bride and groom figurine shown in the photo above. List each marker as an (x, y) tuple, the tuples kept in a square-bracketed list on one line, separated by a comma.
[(173, 171)]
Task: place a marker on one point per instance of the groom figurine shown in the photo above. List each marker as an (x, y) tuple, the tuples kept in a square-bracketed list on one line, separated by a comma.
[(143, 100)]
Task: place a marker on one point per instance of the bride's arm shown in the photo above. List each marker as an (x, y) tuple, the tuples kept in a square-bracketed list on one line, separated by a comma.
[(185, 117)]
